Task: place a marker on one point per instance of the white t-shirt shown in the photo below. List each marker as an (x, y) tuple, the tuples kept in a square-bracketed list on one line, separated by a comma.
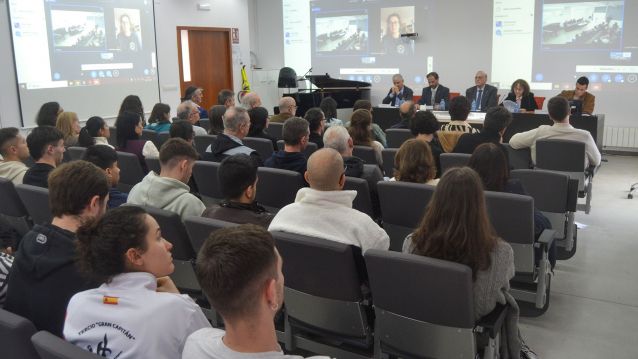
[(207, 343)]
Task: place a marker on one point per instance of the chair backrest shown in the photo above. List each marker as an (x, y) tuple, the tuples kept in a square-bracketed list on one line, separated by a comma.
[(263, 146), (205, 174), (15, 336), (153, 164), (113, 138), (173, 230), (12, 205), (199, 228), (520, 158), (387, 155), (396, 136), (76, 152), (431, 297), (202, 142), (366, 153), (161, 138), (454, 94), (512, 216), (560, 155), (276, 130), (540, 100), (402, 207), (149, 135), (36, 201), (204, 123), (49, 346), (131, 172), (449, 139), (449, 160), (311, 147), (277, 187), (363, 201)]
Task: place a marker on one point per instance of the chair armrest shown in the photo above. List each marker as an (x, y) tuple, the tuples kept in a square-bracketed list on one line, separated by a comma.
[(546, 238), (591, 170), (572, 194), (492, 322)]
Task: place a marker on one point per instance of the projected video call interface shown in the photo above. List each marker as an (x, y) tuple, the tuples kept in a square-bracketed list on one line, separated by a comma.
[(88, 44)]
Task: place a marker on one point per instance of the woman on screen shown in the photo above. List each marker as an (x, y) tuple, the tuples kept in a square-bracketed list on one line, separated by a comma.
[(522, 96), (69, 124), (95, 132), (393, 43), (128, 39)]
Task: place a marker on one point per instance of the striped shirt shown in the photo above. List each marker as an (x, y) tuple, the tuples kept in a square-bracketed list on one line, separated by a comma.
[(5, 266), (459, 126)]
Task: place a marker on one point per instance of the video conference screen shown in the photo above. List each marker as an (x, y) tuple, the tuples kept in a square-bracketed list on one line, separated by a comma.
[(69, 50)]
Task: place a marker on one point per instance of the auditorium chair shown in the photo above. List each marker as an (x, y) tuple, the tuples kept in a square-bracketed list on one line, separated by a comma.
[(49, 346), (131, 172), (520, 158), (276, 129), (366, 153), (449, 160), (277, 188), (327, 311), (15, 336), (200, 228), (263, 146), (388, 154), (113, 138), (567, 157), (512, 216), (540, 100), (310, 148), (76, 152), (424, 308), (402, 208), (205, 175), (555, 195), (153, 164), (150, 135), (36, 201), (396, 136), (202, 142), (204, 123), (161, 138), (12, 208), (363, 201)]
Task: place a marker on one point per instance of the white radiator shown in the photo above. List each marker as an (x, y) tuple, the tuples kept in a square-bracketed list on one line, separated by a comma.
[(621, 137)]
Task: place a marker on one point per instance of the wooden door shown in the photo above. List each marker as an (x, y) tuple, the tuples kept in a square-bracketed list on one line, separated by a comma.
[(205, 60)]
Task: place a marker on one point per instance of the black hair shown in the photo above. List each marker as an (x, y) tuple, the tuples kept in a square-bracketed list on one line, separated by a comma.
[(496, 119), (91, 129), (459, 108), (329, 107), (224, 95), (133, 103), (294, 129), (125, 124), (314, 117), (7, 134), (424, 122), (158, 112), (48, 114), (216, 116), (558, 108), (176, 148), (235, 174), (258, 119), (40, 138), (182, 129), (583, 81), (102, 156)]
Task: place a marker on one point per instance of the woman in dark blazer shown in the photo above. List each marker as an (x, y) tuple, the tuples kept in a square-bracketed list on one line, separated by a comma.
[(521, 95)]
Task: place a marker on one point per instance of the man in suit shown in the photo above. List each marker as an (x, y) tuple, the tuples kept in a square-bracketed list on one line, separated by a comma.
[(581, 94), (434, 93), (482, 93), (399, 93)]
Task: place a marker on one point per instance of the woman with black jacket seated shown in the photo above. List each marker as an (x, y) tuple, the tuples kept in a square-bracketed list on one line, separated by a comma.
[(521, 94)]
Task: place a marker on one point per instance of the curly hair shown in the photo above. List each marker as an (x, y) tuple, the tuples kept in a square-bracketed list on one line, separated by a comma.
[(102, 244), (414, 162)]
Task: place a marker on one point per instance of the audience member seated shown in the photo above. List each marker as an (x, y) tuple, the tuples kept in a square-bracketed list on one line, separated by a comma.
[(459, 110), (414, 163), (287, 109), (44, 275), (251, 100), (216, 117), (296, 133), (48, 114), (226, 98), (236, 127), (95, 132), (324, 209), (377, 133), (361, 132), (125, 251), (496, 121), (106, 158), (580, 93), (522, 96), (132, 103), (317, 124), (169, 189), (189, 111), (424, 128), (259, 124), (491, 164), (239, 269), (456, 228), (183, 130), (237, 176), (160, 118), (195, 94), (6, 261), (129, 129), (558, 109), (329, 108), (46, 147), (14, 150), (407, 110), (69, 124)]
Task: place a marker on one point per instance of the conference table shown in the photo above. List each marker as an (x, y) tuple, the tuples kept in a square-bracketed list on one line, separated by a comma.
[(385, 117)]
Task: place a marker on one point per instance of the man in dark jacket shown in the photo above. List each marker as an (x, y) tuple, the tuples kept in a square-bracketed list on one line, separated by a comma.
[(296, 132), (496, 121), (46, 146), (236, 127), (44, 276), (105, 157)]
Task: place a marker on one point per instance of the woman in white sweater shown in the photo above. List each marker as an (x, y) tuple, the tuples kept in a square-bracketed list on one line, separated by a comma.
[(137, 312)]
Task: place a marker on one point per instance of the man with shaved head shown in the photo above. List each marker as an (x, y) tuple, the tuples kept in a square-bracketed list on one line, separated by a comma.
[(287, 109), (482, 96), (324, 210)]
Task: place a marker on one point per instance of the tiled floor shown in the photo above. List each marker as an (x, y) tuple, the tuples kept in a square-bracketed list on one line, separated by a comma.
[(593, 310)]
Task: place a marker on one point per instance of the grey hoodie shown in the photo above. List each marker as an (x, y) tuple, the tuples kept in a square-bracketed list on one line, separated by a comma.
[(166, 193), (13, 171)]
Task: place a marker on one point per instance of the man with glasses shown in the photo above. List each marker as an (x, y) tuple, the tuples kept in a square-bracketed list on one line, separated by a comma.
[(482, 96), (189, 111)]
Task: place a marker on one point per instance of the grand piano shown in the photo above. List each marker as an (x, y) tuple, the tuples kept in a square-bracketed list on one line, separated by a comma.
[(345, 92)]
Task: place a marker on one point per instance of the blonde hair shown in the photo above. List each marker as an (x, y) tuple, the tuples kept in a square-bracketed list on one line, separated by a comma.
[(64, 123)]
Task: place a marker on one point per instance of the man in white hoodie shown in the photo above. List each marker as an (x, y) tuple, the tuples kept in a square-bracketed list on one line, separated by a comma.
[(325, 210), (14, 150), (169, 190)]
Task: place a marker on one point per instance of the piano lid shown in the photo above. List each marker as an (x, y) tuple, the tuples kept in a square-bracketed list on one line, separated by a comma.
[(325, 81)]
